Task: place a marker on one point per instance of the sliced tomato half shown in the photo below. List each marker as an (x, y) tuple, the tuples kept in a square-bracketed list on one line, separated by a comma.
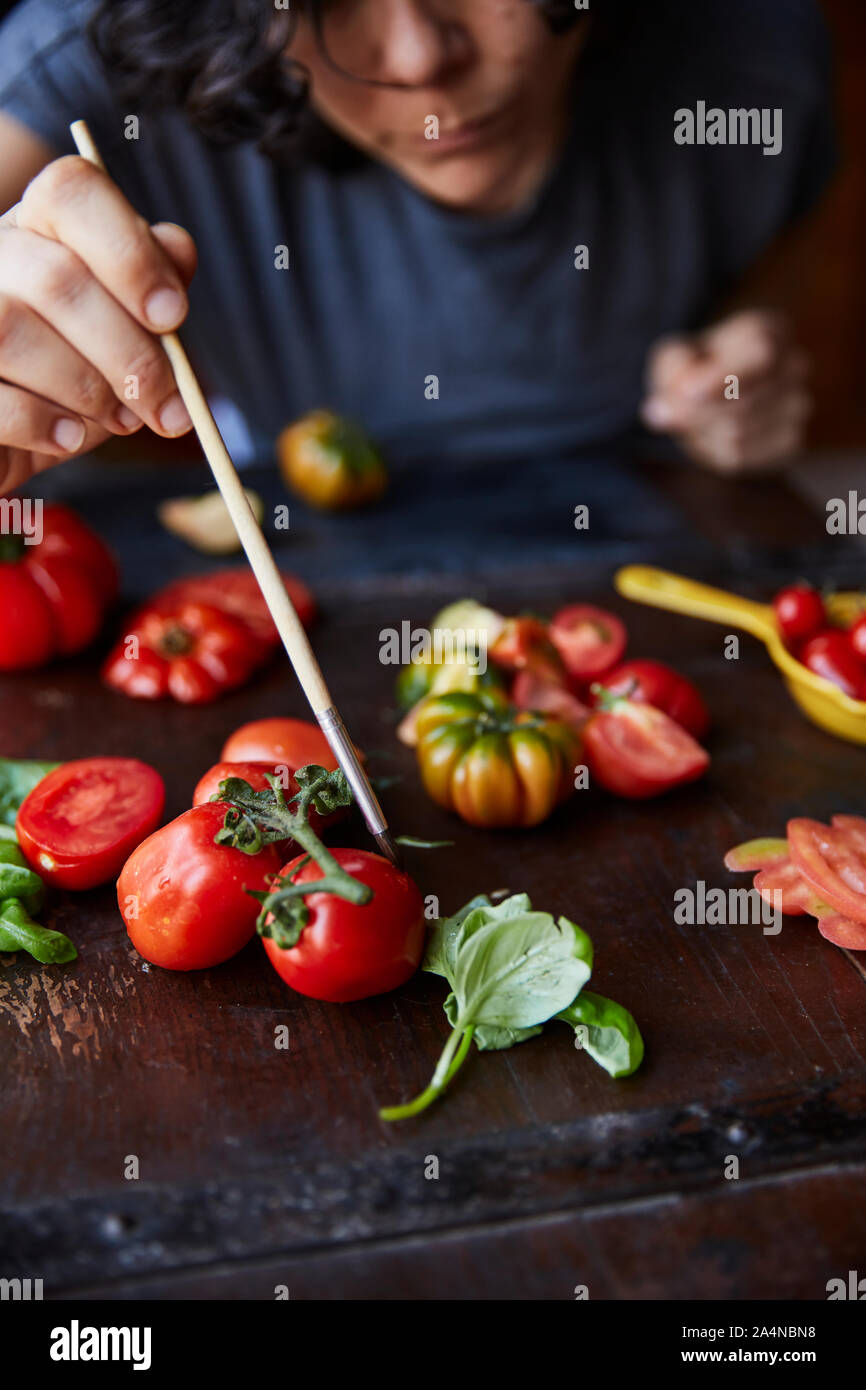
[(832, 861), (842, 931), (785, 878), (531, 691)]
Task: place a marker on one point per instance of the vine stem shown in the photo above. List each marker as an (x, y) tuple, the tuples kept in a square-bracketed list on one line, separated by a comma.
[(446, 1069)]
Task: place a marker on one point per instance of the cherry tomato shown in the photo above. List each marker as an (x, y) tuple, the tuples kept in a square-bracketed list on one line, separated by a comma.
[(590, 640), (80, 822), (291, 743), (637, 751), (829, 655), (190, 651), (857, 638), (799, 611), (550, 697), (237, 591), (183, 897), (524, 645), (653, 683), (832, 860), (330, 462), (347, 952)]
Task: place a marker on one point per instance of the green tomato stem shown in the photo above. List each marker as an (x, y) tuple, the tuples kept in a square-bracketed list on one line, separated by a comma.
[(446, 1069)]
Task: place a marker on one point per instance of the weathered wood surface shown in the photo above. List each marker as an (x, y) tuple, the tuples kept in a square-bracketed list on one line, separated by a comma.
[(261, 1166)]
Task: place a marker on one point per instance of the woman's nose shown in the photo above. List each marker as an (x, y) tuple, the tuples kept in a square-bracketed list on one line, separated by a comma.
[(421, 42)]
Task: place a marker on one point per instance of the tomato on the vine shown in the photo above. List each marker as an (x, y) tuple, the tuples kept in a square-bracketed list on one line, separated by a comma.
[(290, 743), (183, 897), (348, 951)]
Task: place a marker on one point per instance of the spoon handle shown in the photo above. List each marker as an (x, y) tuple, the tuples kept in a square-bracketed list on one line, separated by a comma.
[(645, 584)]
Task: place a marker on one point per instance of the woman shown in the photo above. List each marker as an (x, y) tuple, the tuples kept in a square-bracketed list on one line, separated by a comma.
[(483, 227)]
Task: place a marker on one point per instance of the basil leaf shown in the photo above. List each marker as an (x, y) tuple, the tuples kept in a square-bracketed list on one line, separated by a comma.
[(18, 932), (492, 1039), (611, 1036), (443, 944), (17, 879), (518, 972), (17, 780), (439, 956)]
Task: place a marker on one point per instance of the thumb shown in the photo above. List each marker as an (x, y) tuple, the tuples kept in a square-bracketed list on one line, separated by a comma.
[(179, 246)]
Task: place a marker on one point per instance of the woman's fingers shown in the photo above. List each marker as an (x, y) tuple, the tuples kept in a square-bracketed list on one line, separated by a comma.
[(30, 421), (75, 203), (52, 280)]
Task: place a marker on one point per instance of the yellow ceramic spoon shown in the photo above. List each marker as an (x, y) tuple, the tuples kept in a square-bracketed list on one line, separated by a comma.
[(824, 703)]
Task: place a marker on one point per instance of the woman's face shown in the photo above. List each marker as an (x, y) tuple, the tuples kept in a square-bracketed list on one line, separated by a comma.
[(488, 76)]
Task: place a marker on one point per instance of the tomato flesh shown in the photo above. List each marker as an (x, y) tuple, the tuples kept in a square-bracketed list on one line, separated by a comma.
[(833, 863), (347, 952), (531, 691), (80, 823), (653, 683), (636, 751), (590, 640)]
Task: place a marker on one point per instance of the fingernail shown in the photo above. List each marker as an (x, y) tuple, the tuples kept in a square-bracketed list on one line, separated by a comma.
[(164, 309), (126, 419), (173, 417), (68, 434), (656, 412)]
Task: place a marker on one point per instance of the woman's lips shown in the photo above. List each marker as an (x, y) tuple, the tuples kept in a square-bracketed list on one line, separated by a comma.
[(465, 136)]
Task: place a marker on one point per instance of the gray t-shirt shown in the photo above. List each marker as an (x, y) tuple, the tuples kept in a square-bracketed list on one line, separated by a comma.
[(386, 290)]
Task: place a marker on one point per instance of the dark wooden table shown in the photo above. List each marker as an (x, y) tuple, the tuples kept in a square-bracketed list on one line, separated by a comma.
[(261, 1167)]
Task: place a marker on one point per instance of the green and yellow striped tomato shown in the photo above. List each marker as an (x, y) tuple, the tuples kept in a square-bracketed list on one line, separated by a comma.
[(493, 764)]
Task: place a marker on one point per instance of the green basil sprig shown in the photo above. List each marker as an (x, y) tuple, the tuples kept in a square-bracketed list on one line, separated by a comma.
[(511, 969), (21, 893)]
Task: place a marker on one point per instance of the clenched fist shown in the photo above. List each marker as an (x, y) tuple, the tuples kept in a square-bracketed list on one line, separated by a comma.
[(734, 397), (85, 284)]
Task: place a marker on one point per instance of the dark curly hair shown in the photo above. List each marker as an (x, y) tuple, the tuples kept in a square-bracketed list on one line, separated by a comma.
[(223, 63)]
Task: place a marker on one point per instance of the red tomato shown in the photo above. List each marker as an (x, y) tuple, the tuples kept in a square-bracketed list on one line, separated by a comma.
[(237, 592), (653, 683), (53, 595), (550, 697), (190, 651), (830, 655), (636, 751), (65, 535), (524, 645), (785, 878), (183, 897), (857, 638), (832, 860), (256, 774), (347, 952), (589, 640), (80, 822), (799, 611), (291, 743)]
